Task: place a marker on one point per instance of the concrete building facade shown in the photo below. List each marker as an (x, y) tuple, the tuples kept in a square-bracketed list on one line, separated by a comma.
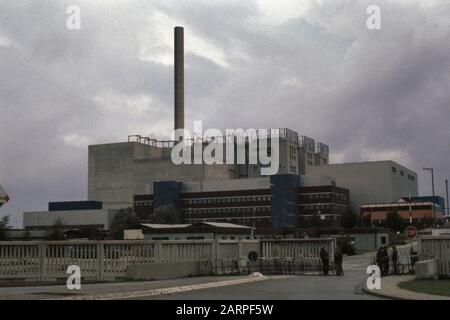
[(371, 182), (74, 216), (118, 171), (376, 213), (279, 201)]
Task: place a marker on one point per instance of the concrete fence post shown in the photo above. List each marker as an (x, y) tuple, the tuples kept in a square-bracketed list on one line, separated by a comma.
[(159, 251), (41, 254), (100, 261)]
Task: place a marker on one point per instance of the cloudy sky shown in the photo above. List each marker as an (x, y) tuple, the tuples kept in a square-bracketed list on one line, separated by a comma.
[(312, 66)]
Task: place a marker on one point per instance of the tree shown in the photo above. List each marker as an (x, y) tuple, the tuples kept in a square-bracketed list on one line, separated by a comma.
[(4, 225), (394, 221), (57, 230), (124, 219), (165, 215), (349, 219)]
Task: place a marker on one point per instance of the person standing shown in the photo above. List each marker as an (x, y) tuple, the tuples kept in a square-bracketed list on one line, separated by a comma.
[(394, 258), (413, 258), (325, 261), (386, 260), (380, 259), (338, 262)]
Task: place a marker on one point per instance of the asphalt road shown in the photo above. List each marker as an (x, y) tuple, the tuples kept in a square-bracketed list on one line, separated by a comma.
[(317, 287), (347, 287)]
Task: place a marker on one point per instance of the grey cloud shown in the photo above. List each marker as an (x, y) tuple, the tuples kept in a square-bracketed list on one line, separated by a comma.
[(365, 93)]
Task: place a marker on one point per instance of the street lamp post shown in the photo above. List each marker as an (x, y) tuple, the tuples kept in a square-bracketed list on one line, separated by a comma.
[(254, 221), (189, 216), (432, 189)]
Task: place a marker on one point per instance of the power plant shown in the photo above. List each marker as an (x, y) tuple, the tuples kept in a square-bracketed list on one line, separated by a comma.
[(118, 171), (141, 174)]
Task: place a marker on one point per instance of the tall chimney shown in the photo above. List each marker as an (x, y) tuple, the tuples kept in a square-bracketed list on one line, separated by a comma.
[(179, 78), (446, 193)]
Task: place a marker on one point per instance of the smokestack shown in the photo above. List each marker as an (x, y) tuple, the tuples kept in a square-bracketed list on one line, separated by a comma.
[(446, 193), (179, 78)]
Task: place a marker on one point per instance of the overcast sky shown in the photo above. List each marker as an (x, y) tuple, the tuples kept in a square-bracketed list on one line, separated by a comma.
[(312, 66)]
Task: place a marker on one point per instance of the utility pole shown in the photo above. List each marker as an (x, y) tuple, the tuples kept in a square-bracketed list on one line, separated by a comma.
[(410, 211), (189, 212), (254, 223)]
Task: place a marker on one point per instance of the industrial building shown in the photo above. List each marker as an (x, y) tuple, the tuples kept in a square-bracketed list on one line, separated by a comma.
[(118, 171), (278, 201), (372, 181), (418, 212), (74, 215), (140, 173)]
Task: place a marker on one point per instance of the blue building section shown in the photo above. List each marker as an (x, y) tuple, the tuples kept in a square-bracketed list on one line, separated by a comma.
[(284, 191), (440, 201), (166, 193), (74, 205)]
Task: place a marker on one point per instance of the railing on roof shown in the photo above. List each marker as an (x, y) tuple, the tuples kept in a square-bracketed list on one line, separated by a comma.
[(322, 148), (307, 142), (246, 135)]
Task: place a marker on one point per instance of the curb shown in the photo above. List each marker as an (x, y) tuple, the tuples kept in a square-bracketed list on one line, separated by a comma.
[(163, 291), (379, 295)]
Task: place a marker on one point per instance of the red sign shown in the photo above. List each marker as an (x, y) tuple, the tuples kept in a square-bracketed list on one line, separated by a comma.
[(410, 232)]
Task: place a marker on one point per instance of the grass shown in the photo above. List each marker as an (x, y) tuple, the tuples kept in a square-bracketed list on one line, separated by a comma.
[(436, 287)]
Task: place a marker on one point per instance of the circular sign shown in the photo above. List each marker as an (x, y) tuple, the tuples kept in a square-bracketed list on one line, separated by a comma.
[(410, 232)]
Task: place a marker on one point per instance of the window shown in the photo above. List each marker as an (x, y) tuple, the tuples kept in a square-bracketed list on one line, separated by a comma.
[(401, 173), (394, 170), (383, 240)]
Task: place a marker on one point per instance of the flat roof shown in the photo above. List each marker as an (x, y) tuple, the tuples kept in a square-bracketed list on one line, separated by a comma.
[(164, 226), (397, 204)]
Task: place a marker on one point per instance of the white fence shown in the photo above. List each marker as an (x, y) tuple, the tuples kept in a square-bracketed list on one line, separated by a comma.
[(437, 247), (100, 260), (296, 249)]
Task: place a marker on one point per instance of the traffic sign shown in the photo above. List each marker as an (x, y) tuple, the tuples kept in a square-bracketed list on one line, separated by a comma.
[(410, 232)]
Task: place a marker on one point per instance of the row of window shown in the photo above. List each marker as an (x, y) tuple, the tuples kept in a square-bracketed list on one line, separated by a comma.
[(227, 210), (410, 177), (316, 207), (228, 200), (66, 227), (143, 203), (326, 195), (222, 200), (325, 217)]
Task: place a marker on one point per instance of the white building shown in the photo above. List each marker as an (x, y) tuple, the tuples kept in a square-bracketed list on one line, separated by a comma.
[(74, 216), (371, 182)]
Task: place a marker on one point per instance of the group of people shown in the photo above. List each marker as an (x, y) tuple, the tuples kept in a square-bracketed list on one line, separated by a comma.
[(382, 259), (325, 260)]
